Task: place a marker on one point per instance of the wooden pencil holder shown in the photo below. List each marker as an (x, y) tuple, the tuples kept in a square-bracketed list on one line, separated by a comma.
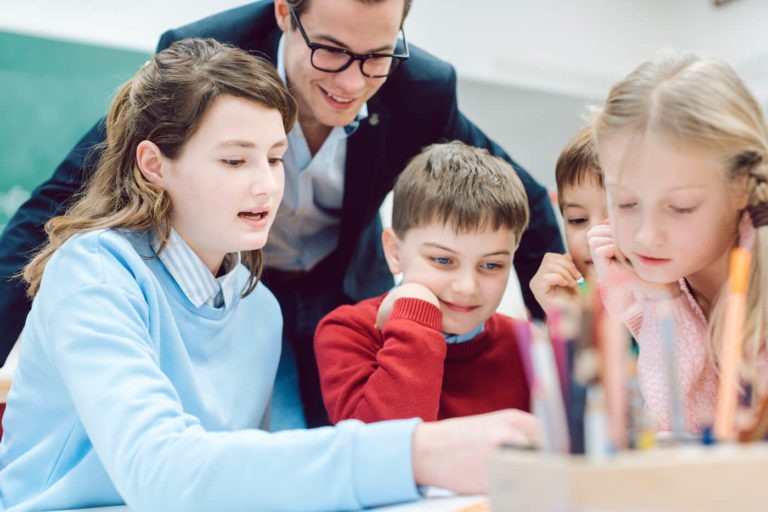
[(669, 479)]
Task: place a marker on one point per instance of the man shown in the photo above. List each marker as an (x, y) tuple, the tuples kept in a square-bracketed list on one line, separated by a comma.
[(368, 102)]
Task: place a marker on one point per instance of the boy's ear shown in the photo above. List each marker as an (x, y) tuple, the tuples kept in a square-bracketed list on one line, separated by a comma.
[(391, 245), (149, 158)]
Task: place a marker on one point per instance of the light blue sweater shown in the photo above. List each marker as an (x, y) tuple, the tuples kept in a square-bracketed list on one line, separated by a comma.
[(126, 392)]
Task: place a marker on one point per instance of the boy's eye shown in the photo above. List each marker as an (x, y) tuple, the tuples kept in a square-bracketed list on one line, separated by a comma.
[(627, 205), (441, 260), (490, 265), (682, 210)]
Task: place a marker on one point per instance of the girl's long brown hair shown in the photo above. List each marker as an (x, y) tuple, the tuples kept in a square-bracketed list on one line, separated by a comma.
[(163, 103)]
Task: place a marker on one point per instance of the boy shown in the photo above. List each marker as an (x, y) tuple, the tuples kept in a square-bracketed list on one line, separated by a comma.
[(581, 198), (434, 347)]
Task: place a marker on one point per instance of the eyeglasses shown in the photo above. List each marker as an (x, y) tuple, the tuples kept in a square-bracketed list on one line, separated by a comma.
[(335, 60)]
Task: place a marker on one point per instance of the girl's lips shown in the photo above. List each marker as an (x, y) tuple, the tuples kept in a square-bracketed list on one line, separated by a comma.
[(651, 261), (255, 219)]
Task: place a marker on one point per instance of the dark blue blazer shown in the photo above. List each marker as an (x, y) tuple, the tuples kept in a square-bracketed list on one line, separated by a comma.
[(415, 107)]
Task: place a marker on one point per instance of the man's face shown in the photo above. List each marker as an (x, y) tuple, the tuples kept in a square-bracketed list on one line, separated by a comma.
[(334, 99)]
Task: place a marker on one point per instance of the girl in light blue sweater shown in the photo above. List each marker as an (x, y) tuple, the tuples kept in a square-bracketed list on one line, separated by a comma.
[(149, 354)]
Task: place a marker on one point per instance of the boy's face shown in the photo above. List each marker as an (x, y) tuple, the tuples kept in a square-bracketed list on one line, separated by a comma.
[(467, 272), (583, 206)]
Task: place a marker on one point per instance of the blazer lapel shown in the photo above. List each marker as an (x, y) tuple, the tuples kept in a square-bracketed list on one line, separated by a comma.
[(365, 157)]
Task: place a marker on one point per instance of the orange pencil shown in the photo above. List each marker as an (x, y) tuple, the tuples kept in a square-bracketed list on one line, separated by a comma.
[(728, 388)]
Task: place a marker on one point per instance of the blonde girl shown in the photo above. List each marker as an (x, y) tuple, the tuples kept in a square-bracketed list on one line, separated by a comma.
[(684, 152), (150, 351)]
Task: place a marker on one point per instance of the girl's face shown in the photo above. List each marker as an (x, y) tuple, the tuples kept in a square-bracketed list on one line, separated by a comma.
[(227, 183), (673, 211)]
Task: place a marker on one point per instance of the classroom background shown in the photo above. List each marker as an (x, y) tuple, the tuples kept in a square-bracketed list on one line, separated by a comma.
[(527, 69)]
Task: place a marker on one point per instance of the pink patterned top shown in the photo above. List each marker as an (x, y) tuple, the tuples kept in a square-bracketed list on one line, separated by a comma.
[(695, 368)]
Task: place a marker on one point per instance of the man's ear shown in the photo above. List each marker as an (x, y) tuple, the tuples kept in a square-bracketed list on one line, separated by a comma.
[(150, 159), (282, 15), (391, 245)]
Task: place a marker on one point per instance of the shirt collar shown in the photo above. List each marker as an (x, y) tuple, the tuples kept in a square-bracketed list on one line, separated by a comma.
[(461, 338), (193, 277), (361, 114)]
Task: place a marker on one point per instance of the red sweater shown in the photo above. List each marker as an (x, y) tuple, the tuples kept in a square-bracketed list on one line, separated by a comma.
[(408, 370)]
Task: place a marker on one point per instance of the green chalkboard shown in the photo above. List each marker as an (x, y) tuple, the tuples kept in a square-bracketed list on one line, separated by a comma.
[(51, 92)]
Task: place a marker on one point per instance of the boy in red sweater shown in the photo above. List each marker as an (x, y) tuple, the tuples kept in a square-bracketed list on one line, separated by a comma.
[(434, 346)]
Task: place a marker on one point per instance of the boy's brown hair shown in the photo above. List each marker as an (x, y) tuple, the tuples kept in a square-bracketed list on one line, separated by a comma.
[(464, 186), (577, 163)]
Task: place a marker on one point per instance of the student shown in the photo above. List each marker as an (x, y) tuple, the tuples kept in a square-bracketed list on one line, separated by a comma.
[(359, 123), (434, 347), (151, 346), (683, 148), (581, 198)]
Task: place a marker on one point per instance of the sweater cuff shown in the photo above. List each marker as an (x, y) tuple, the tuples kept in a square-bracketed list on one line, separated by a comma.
[(383, 462), (418, 310)]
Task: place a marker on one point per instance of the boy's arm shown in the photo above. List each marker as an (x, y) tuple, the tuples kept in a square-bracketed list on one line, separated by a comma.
[(375, 375)]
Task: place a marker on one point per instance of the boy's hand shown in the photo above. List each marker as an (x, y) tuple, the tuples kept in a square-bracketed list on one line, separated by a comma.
[(413, 290), (555, 281), (453, 454), (613, 268)]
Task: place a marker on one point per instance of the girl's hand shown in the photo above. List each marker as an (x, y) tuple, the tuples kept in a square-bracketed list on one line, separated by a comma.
[(613, 268), (453, 454), (413, 290), (555, 283)]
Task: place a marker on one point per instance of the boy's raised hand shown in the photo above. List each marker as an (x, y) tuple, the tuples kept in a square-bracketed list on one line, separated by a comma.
[(555, 281), (413, 290), (613, 268)]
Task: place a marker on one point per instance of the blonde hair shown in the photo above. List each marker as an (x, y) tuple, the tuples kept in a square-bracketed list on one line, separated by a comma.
[(703, 102), (577, 163), (464, 186), (163, 103)]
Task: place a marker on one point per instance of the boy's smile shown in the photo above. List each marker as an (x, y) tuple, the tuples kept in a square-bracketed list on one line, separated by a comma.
[(467, 272)]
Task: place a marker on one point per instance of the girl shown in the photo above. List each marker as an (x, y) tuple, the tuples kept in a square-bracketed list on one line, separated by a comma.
[(684, 153), (150, 350)]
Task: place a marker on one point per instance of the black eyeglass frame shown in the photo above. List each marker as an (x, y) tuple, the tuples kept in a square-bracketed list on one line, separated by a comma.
[(397, 58)]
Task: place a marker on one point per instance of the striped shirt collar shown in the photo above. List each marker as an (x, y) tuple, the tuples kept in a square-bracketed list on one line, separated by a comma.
[(193, 277)]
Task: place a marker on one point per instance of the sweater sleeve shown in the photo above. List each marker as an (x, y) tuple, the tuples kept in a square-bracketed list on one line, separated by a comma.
[(159, 457), (623, 305), (370, 375)]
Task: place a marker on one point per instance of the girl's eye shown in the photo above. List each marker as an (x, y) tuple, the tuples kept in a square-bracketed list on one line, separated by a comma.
[(233, 162), (577, 220), (441, 260), (275, 161), (682, 210), (627, 206), (492, 266)]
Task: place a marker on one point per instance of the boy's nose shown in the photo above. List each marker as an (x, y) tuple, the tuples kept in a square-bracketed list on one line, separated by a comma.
[(465, 283)]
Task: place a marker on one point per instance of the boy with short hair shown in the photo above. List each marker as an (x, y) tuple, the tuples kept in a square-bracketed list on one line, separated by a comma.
[(434, 347), (581, 198)]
